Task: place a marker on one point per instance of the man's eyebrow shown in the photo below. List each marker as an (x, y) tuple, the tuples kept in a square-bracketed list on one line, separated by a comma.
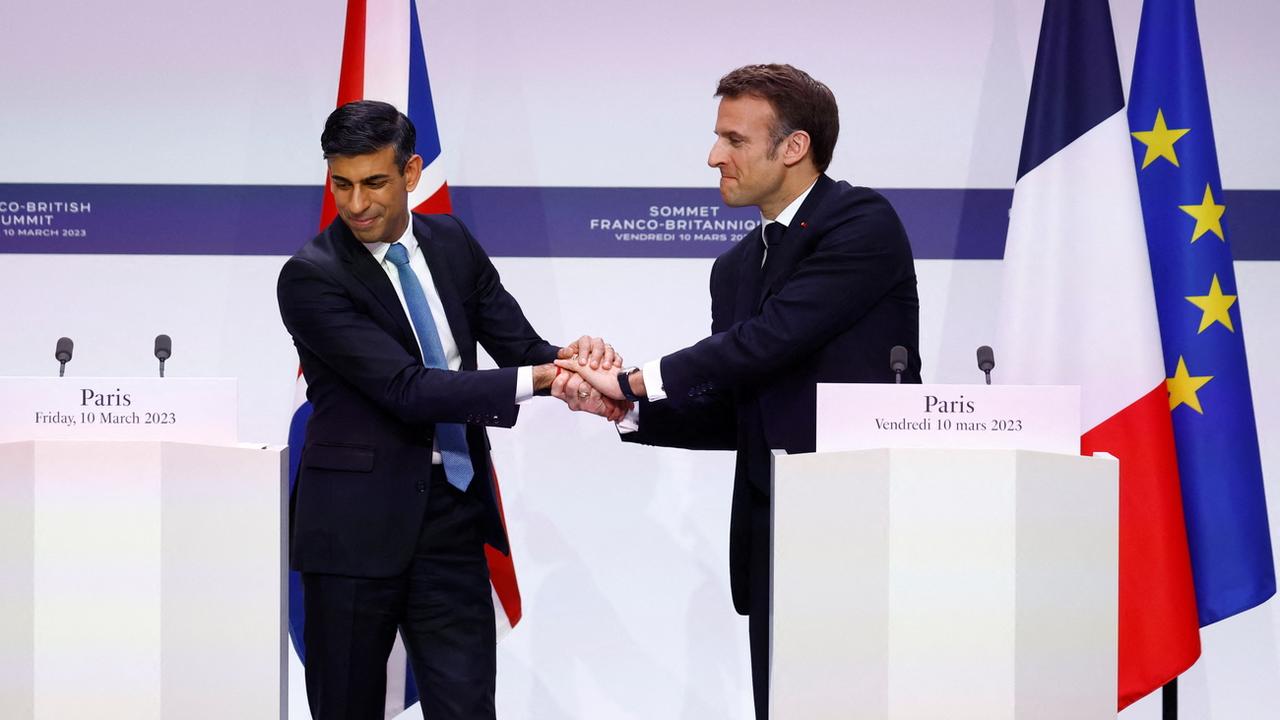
[(372, 178)]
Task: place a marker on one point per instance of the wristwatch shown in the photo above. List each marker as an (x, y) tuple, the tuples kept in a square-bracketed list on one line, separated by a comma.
[(624, 382)]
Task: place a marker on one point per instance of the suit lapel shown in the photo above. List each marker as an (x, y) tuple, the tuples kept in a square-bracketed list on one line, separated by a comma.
[(367, 271), (795, 242), (443, 279)]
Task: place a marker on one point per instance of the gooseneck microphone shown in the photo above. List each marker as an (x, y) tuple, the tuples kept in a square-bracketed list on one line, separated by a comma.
[(62, 353), (898, 362), (164, 348), (986, 361)]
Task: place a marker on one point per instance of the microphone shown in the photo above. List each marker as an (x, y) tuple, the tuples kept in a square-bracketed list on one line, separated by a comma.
[(898, 362), (62, 353), (986, 361), (164, 348)]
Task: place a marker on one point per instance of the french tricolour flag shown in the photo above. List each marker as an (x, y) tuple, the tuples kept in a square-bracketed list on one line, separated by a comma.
[(383, 59), (1078, 309)]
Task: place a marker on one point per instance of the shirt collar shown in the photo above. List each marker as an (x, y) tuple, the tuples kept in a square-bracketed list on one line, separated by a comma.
[(410, 243), (789, 212)]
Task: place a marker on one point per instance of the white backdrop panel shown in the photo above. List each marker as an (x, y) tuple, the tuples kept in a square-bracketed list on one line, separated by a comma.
[(566, 92), (621, 550)]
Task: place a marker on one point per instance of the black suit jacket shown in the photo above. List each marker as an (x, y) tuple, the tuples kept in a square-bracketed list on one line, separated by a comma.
[(837, 294), (362, 484)]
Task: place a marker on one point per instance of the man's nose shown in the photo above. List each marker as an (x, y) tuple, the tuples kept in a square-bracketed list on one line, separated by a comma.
[(715, 158), (359, 201)]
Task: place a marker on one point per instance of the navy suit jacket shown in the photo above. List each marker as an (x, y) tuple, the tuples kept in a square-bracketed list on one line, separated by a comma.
[(362, 486), (838, 293)]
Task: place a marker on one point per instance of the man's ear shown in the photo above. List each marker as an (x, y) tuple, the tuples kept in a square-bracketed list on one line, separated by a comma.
[(412, 172), (795, 148)]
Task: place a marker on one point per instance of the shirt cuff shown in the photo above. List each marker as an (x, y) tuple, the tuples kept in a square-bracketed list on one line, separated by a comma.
[(630, 422), (524, 383), (653, 380)]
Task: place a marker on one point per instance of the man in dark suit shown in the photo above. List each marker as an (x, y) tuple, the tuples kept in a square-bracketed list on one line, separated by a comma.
[(820, 293), (394, 499)]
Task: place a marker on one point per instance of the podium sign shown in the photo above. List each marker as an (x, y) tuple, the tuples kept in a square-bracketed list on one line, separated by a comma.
[(153, 409), (975, 417)]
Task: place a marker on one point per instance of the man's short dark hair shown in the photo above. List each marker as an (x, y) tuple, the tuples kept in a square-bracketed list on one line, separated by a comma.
[(367, 126), (799, 103)]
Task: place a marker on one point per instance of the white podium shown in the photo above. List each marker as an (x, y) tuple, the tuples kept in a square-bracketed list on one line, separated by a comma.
[(944, 583), (142, 579)]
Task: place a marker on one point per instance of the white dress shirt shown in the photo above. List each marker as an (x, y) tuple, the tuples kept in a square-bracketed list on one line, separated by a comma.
[(418, 264)]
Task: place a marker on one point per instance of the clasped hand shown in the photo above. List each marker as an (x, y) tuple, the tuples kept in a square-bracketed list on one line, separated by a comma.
[(581, 368)]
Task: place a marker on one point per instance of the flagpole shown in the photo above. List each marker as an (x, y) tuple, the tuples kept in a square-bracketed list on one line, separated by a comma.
[(1169, 698)]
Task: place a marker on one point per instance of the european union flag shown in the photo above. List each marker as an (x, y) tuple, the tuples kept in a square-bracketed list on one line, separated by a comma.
[(1200, 325)]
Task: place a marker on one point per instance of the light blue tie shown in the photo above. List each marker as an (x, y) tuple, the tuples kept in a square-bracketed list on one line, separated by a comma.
[(451, 438)]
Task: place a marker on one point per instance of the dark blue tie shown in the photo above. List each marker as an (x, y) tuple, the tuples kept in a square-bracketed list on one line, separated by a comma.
[(451, 438), (772, 239)]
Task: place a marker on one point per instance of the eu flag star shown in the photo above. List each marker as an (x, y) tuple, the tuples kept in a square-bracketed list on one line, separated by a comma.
[(1183, 386), (1216, 306), (1159, 141), (1208, 216)]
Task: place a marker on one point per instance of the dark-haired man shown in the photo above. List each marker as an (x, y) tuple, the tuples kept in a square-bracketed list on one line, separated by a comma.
[(394, 498), (819, 293)]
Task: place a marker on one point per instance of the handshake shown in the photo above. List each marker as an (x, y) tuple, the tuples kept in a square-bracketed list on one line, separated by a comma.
[(585, 376)]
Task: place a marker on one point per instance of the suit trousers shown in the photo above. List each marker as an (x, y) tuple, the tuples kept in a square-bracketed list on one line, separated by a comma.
[(758, 620), (443, 606), (753, 525)]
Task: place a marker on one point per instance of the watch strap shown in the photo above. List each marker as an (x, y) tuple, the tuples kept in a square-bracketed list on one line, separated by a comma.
[(624, 383)]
